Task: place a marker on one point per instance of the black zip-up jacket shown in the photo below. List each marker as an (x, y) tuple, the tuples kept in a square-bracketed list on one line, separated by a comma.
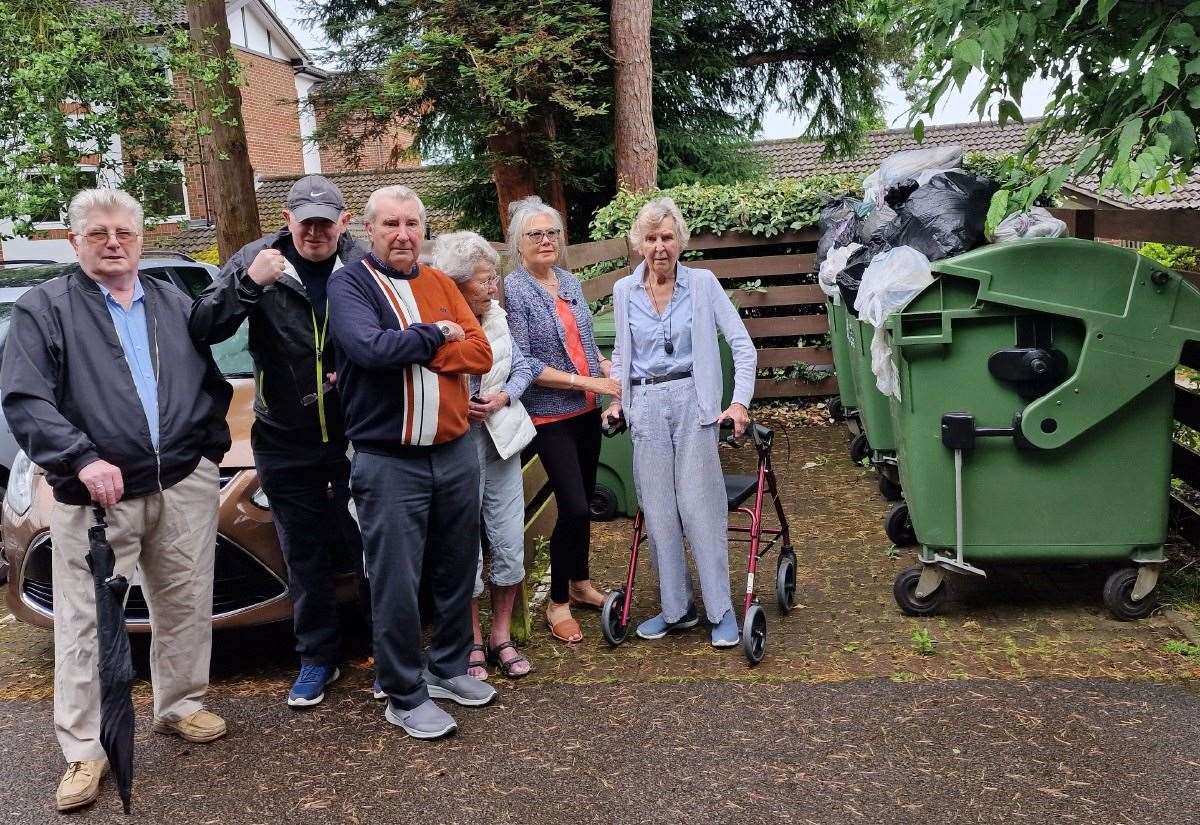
[(282, 341), (70, 399)]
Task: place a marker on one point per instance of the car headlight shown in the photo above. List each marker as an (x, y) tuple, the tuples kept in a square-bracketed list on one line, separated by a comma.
[(260, 499), (19, 494)]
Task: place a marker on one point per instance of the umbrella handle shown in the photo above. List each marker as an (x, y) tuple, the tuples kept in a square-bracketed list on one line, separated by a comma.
[(98, 515)]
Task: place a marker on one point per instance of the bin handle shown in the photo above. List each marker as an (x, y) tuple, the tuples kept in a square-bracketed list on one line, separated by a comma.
[(901, 338)]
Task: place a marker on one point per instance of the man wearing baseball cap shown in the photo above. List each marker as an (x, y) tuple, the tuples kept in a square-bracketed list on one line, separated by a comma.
[(279, 284)]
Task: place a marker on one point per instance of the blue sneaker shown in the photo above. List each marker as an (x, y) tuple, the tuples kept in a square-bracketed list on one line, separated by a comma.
[(658, 627), (725, 632), (309, 687)]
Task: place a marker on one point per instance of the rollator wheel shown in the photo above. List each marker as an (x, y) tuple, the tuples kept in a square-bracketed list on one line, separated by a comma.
[(754, 634), (889, 489), (837, 410), (610, 618), (785, 582), (905, 592), (898, 526), (860, 448), (1118, 596)]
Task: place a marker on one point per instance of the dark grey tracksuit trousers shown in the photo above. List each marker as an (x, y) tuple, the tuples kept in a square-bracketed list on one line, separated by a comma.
[(419, 516)]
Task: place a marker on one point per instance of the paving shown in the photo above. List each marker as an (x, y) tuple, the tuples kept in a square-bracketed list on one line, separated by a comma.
[(1023, 701)]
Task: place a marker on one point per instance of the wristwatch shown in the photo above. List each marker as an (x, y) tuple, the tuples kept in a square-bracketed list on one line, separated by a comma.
[(445, 329)]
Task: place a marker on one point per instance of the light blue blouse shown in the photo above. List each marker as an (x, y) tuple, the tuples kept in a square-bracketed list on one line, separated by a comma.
[(649, 331)]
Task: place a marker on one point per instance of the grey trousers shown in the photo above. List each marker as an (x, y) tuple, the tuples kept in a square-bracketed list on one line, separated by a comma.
[(170, 537), (419, 516), (677, 472), (502, 497)]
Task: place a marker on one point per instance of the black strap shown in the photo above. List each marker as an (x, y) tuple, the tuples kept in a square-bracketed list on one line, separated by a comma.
[(661, 379)]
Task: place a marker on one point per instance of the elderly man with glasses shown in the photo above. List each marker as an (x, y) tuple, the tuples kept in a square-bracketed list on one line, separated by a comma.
[(105, 390), (279, 283), (407, 340)]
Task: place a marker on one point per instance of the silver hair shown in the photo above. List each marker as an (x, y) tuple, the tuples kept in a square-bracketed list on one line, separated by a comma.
[(459, 254), (397, 193), (652, 214), (87, 201), (521, 213)]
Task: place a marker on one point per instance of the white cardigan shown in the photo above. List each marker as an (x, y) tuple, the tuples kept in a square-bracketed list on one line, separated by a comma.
[(510, 427)]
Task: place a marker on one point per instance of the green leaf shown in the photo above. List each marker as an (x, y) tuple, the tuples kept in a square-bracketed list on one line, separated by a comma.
[(1152, 86), (1192, 67), (969, 51), (1166, 66), (919, 131), (1193, 96), (1009, 111), (1058, 176), (1085, 158), (1103, 7), (1129, 136), (997, 211), (993, 44), (1191, 10), (959, 72)]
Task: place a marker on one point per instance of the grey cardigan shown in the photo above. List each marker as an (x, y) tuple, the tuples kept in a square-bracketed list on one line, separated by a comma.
[(711, 311), (538, 333)]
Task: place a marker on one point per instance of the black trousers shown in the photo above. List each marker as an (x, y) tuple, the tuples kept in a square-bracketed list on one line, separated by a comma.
[(420, 518), (569, 451), (309, 491)]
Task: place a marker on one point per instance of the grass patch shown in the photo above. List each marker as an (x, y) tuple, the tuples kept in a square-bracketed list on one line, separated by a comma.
[(1182, 648), (1181, 588), (922, 642)]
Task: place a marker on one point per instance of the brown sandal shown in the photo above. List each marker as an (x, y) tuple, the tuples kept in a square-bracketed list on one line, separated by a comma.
[(475, 663), (566, 630), (493, 657)]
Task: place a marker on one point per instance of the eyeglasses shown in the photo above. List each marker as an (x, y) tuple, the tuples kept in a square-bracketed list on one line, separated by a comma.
[(96, 237), (539, 235)]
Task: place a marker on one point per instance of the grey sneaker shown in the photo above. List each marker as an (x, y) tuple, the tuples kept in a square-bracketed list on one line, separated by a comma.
[(425, 721), (465, 690)]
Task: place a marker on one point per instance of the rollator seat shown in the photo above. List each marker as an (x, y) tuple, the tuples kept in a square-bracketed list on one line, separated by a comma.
[(738, 489)]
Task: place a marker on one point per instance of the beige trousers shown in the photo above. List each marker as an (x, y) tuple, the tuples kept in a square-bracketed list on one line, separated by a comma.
[(171, 538)]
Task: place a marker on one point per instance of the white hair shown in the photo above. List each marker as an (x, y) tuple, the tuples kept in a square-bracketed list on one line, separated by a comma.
[(87, 201), (651, 215), (521, 213), (396, 193), (459, 254)]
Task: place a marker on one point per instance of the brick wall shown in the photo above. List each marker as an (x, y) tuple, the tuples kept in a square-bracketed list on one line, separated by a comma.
[(269, 109), (387, 152)]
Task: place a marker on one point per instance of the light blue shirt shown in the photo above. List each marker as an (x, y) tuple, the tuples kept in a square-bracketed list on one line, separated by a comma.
[(651, 331), (135, 341)]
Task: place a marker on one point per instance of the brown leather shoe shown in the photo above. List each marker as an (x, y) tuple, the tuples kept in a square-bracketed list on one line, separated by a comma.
[(202, 726), (80, 785)]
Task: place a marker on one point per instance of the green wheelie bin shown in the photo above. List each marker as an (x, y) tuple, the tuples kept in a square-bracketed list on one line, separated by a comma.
[(1035, 413), (615, 494), (877, 439), (845, 406)]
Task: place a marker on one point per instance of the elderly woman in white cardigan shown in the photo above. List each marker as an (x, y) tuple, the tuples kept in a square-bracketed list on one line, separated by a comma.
[(500, 428), (666, 359)]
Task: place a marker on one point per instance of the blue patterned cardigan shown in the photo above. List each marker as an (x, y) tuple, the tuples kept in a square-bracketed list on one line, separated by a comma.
[(538, 332)]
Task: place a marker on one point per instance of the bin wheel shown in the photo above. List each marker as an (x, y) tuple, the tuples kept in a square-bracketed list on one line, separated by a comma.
[(603, 506), (905, 592), (785, 582), (837, 410), (889, 489), (898, 526), (1118, 598), (610, 618), (754, 634), (860, 448)]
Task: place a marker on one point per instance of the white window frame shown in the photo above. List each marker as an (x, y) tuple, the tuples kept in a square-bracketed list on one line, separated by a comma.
[(62, 223)]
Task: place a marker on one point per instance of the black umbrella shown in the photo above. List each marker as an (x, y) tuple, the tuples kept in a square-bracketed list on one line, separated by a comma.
[(116, 663)]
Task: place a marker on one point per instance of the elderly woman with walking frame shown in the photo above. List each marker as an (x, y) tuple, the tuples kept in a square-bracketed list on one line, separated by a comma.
[(500, 428), (669, 367), (552, 324)]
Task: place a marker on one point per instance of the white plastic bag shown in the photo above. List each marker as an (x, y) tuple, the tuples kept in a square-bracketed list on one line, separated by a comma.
[(834, 263), (910, 164), (890, 281), (886, 377), (1036, 223)]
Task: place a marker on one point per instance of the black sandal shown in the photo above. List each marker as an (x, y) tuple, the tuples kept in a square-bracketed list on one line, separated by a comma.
[(493, 658), (477, 663)]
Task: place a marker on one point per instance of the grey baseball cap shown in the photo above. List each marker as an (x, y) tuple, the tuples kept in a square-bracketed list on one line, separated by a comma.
[(315, 196)]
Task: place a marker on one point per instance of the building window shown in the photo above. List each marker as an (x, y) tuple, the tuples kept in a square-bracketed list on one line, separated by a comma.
[(55, 213), (162, 191)]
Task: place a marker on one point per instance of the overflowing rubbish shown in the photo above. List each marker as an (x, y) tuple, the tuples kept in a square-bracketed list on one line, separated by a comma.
[(890, 281), (944, 216), (833, 264), (909, 164), (838, 224), (1036, 223)]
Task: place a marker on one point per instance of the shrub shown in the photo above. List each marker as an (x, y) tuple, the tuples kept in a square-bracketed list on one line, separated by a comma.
[(208, 256), (1173, 256)]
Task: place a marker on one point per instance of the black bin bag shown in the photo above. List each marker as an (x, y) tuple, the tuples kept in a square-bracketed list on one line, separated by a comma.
[(838, 224), (943, 217)]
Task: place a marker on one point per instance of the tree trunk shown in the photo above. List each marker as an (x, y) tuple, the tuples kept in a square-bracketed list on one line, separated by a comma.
[(231, 178), (633, 113), (510, 172)]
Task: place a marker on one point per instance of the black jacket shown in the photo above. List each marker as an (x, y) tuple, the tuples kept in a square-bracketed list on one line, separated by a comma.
[(70, 399), (282, 341)]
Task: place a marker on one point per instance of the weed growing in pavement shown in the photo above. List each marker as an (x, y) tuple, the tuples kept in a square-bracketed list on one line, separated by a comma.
[(1180, 588), (894, 552), (922, 642), (1182, 648), (903, 676)]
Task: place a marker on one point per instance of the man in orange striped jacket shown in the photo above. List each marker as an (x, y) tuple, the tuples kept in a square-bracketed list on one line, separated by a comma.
[(406, 343)]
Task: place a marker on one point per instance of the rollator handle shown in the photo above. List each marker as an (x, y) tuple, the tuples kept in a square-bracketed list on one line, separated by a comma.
[(613, 425)]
